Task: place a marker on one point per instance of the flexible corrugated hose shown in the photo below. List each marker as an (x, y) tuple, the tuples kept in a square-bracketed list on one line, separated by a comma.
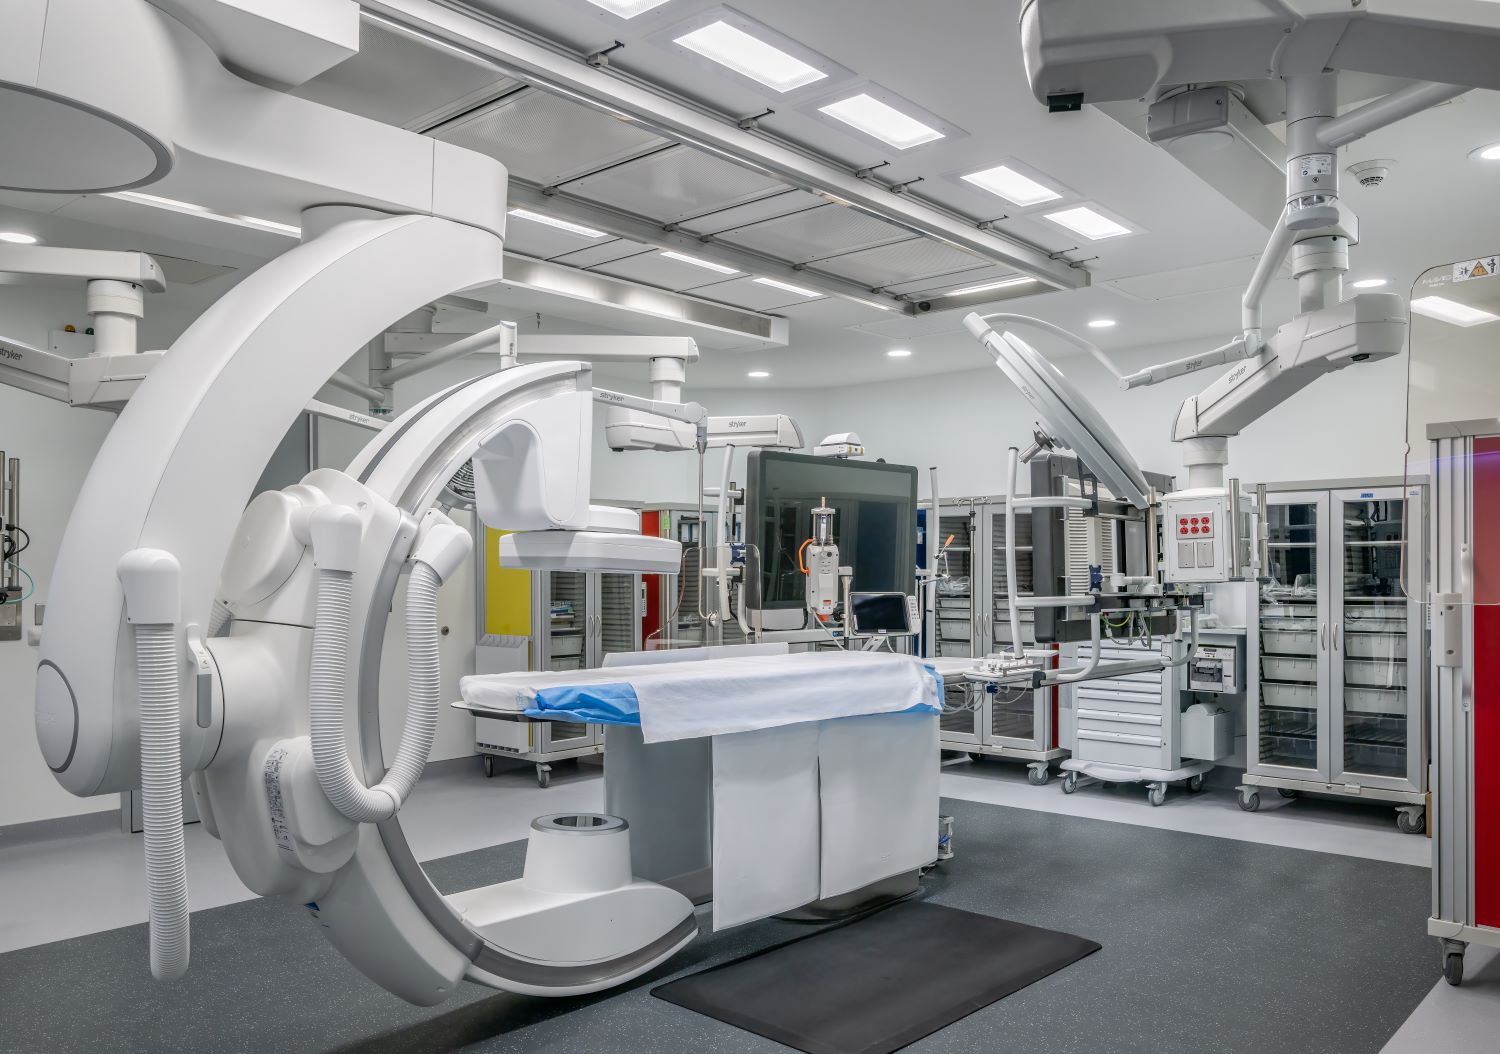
[(161, 799), (327, 689)]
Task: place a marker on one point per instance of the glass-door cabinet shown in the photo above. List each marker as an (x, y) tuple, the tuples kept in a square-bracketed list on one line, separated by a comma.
[(1342, 643)]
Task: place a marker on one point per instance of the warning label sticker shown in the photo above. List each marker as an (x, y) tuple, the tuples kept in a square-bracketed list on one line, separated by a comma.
[(1483, 268)]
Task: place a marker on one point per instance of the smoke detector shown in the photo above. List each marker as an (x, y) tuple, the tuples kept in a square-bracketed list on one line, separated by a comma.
[(1372, 173)]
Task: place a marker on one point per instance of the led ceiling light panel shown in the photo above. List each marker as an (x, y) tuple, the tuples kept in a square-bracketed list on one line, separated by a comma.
[(551, 221), (750, 56), (1006, 182), (1451, 311), (787, 287), (886, 123), (627, 8), (672, 254), (1004, 283), (189, 209), (1084, 221)]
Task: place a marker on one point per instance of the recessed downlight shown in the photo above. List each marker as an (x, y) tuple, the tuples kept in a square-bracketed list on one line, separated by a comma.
[(749, 56), (1490, 152), (1369, 283), (899, 353), (758, 375), (1102, 323), (881, 120), (17, 238)]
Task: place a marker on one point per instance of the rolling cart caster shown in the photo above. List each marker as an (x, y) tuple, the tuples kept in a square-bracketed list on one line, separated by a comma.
[(1038, 775), (1195, 784), (543, 776), (1411, 819), (1287, 792), (975, 759), (1157, 794), (1249, 799), (1453, 962), (1070, 783), (489, 765)]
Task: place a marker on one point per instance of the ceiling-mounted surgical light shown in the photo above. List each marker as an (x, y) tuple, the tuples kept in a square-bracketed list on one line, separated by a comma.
[(188, 209), (551, 221), (1088, 223), (750, 56), (1451, 311), (886, 123), (1369, 283)]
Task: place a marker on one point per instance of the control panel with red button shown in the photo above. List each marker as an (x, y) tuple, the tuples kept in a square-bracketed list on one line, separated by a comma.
[(1197, 546)]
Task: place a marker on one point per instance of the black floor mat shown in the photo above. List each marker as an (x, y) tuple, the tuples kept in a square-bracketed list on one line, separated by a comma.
[(875, 985)]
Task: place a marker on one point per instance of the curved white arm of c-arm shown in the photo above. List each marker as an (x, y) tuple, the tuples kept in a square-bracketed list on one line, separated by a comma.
[(183, 459)]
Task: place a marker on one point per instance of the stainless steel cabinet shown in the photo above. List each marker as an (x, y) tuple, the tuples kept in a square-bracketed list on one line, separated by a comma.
[(570, 621), (971, 620), (1340, 703)]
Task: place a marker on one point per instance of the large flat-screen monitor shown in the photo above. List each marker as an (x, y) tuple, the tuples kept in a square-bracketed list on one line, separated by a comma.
[(875, 525)]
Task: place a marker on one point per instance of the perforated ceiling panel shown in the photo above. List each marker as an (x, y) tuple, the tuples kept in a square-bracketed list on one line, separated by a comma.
[(815, 233), (530, 238), (602, 253), (400, 80), (782, 204), (674, 184), (662, 271), (546, 139), (901, 262), (750, 294)]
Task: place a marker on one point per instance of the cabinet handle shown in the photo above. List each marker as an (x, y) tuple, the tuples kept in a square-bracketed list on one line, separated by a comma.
[(1336, 636), (1323, 636)]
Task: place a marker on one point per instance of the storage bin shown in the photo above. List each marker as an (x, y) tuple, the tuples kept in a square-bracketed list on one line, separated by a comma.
[(565, 645), (1362, 645), (1374, 673), (1279, 641), (1375, 700), (1290, 696), (1207, 733), (1276, 668)]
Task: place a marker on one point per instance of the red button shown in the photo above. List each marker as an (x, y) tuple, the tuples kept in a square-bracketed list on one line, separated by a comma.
[(1195, 530)]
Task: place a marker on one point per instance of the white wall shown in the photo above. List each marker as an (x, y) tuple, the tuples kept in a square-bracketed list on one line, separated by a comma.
[(56, 445), (1346, 425)]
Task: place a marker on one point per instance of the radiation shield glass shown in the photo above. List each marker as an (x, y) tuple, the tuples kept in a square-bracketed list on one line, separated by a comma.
[(1453, 422)]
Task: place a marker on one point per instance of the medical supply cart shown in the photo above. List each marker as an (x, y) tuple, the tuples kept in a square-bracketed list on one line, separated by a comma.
[(548, 620), (984, 720), (1340, 705)]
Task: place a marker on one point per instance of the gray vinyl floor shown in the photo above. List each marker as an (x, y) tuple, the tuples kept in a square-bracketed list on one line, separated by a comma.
[(1211, 942)]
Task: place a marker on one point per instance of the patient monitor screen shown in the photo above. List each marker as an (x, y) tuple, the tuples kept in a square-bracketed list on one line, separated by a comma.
[(880, 613), (875, 522)]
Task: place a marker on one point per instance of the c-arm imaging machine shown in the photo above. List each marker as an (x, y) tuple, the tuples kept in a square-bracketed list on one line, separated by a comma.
[(192, 635)]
